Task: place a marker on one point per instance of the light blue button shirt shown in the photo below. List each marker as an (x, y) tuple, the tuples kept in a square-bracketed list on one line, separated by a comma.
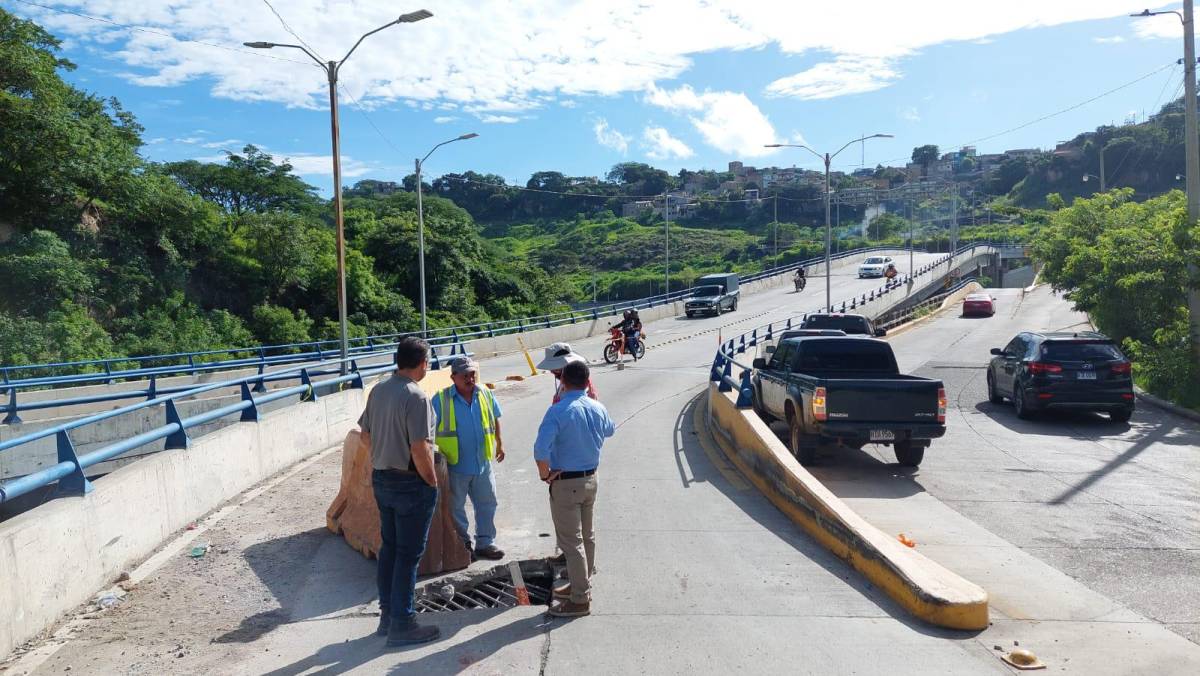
[(470, 430), (572, 433)]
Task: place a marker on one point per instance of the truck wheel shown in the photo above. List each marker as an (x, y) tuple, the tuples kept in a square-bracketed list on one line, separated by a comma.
[(733, 308), (1120, 415), (802, 446), (908, 453), (691, 314), (992, 395), (760, 409)]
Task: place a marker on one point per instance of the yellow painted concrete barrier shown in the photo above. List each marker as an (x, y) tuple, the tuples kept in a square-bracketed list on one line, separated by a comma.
[(923, 587)]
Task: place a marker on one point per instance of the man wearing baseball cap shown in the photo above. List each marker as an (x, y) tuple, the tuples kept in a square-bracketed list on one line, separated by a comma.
[(558, 355), (468, 435)]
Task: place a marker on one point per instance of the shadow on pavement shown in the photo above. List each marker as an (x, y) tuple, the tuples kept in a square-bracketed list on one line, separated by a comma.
[(759, 508), (311, 574), (342, 657)]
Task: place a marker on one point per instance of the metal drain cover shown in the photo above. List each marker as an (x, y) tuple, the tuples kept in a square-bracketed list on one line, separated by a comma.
[(492, 590)]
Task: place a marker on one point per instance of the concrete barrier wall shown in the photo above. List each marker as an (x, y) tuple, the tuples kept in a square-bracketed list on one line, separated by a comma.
[(923, 587), (586, 328), (55, 557)]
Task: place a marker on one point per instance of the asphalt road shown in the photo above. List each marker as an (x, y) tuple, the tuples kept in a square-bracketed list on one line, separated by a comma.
[(697, 572)]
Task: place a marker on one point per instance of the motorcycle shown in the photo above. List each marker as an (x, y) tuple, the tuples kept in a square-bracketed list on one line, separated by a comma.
[(616, 346), (800, 283)]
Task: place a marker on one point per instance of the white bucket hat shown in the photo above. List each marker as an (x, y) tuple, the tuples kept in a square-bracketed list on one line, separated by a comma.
[(557, 356)]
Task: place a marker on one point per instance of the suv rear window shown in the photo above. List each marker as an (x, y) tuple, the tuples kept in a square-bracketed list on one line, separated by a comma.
[(857, 355), (847, 324), (1080, 351)]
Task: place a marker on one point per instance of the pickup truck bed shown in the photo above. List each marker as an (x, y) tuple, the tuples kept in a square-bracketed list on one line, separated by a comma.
[(863, 399)]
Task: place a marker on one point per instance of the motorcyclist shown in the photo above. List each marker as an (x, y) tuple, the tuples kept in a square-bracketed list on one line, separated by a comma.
[(799, 278), (891, 271), (631, 329)]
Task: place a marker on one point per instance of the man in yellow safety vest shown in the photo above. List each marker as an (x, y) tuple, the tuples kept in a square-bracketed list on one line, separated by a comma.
[(468, 435)]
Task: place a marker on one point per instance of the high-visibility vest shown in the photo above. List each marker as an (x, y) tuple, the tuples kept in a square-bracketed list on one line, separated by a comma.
[(447, 429)]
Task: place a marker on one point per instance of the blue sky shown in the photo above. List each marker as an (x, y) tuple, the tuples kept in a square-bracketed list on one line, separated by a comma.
[(578, 87)]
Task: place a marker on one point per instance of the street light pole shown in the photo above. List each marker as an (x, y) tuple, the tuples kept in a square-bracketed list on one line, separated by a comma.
[(667, 235), (420, 163), (827, 158), (331, 69), (1192, 158)]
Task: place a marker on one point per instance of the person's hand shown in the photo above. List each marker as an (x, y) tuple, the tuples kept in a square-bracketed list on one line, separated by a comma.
[(499, 454), (550, 477)]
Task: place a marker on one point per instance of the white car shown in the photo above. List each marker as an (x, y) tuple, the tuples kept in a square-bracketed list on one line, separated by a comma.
[(875, 266)]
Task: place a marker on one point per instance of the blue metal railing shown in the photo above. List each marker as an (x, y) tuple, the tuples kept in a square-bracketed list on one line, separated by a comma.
[(68, 471), (192, 363), (726, 357)]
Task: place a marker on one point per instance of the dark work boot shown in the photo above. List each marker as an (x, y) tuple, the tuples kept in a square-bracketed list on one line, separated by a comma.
[(411, 633), (385, 621)]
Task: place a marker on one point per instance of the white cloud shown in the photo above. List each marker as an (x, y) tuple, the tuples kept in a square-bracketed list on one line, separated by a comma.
[(322, 165), (660, 145), (840, 77), (1113, 40), (503, 56), (190, 140), (222, 144), (728, 121), (499, 119), (609, 137), (443, 119), (1163, 26), (155, 141), (911, 114), (568, 103)]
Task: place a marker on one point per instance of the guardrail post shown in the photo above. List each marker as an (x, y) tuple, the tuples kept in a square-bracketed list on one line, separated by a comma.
[(574, 318), (11, 408), (746, 392), (249, 414), (715, 372), (789, 322), (320, 352), (4, 374), (260, 385), (727, 373), (435, 362), (191, 365), (108, 372), (357, 383), (769, 331), (75, 483), (520, 325), (152, 391), (177, 439), (306, 379), (742, 347)]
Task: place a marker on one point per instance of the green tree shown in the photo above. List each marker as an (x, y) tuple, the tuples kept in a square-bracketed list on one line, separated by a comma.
[(925, 155), (274, 325), (40, 273), (250, 183)]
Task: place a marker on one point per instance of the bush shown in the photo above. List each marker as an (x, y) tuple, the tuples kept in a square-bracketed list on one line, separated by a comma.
[(274, 325)]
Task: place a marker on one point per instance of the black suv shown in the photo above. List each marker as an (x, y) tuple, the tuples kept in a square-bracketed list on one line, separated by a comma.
[(1042, 370), (851, 324)]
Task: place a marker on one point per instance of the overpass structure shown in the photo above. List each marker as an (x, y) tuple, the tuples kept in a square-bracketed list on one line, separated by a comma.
[(706, 567)]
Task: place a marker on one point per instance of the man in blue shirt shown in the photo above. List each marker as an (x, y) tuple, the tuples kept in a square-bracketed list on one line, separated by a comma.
[(567, 451), (468, 435)]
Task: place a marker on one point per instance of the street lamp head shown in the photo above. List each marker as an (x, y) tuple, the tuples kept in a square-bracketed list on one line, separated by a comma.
[(1085, 178), (466, 137), (1144, 12), (259, 45), (882, 136), (773, 145), (413, 17)]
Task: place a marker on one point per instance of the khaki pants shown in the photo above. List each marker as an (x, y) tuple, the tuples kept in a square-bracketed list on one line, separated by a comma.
[(571, 503)]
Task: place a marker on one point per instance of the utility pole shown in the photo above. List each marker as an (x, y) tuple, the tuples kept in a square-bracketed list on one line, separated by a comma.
[(667, 233), (1192, 157), (1193, 165), (775, 200)]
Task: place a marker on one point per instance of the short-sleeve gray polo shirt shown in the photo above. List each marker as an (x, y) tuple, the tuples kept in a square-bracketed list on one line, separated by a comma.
[(398, 413)]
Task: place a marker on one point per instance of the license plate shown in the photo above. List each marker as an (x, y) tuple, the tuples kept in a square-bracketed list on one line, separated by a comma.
[(883, 435), (1086, 375)]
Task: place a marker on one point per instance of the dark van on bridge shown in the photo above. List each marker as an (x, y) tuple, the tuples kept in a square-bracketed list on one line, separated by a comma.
[(713, 294)]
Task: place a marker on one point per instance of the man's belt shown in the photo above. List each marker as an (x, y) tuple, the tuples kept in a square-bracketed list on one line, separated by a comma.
[(577, 475)]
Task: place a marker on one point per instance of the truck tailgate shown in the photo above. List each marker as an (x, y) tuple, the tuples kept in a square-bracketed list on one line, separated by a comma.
[(892, 400)]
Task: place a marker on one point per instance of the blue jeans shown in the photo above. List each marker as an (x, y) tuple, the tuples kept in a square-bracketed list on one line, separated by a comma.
[(406, 505), (481, 488)]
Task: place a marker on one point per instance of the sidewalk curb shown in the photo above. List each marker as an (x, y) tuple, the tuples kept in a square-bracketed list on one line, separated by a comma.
[(918, 584), (1159, 402)]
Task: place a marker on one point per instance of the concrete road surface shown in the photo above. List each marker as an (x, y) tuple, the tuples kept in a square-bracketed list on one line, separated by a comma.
[(697, 572)]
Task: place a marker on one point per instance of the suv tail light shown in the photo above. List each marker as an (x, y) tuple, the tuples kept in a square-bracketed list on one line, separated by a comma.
[(1122, 369), (941, 404), (1040, 367), (818, 404)]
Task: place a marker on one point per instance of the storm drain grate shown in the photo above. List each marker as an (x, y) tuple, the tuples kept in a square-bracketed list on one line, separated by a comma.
[(495, 590)]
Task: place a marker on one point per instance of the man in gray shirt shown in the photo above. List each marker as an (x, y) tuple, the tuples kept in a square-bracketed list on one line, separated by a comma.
[(398, 427)]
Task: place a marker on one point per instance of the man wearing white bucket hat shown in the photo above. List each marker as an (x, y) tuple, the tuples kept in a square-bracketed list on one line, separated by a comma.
[(558, 355)]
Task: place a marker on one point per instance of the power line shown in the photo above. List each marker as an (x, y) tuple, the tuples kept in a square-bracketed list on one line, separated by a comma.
[(293, 33), (160, 33)]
